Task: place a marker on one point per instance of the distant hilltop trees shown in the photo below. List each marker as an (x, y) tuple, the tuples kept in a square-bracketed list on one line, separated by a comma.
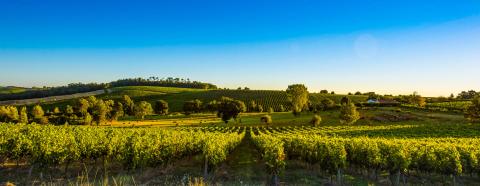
[(74, 88)]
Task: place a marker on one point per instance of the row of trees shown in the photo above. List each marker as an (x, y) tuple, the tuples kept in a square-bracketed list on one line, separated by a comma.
[(86, 111)]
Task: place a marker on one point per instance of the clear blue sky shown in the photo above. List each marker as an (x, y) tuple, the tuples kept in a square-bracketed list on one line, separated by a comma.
[(432, 47)]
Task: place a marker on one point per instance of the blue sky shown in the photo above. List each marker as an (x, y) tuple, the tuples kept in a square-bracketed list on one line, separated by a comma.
[(432, 47)]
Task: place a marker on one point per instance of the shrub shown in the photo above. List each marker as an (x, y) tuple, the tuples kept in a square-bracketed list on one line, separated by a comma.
[(316, 120), (349, 113), (267, 119)]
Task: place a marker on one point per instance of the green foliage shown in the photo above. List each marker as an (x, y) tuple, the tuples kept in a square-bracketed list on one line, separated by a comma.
[(252, 106), (267, 119), (161, 107), (472, 112), (282, 108), (100, 111), (39, 115), (260, 108), (129, 147), (327, 104), (229, 108), (298, 96), (142, 109), (8, 114), (87, 119), (349, 113), (418, 100), (270, 110), (128, 105), (212, 106), (69, 110), (193, 106), (316, 120), (23, 118)]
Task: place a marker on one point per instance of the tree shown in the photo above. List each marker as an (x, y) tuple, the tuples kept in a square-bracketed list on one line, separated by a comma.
[(193, 106), (418, 100), (39, 115), (161, 107), (323, 91), (327, 104), (142, 109), (87, 119), (23, 115), (298, 97), (56, 110), (282, 108), (270, 110), (472, 112), (452, 97), (83, 106), (316, 120), (260, 108), (349, 113), (117, 111), (128, 105), (333, 92), (467, 94), (345, 100), (358, 93), (252, 107), (99, 112), (267, 119), (8, 114), (212, 106), (229, 108), (69, 110)]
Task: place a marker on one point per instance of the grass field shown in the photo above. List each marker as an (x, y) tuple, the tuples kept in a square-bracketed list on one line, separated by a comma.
[(12, 90)]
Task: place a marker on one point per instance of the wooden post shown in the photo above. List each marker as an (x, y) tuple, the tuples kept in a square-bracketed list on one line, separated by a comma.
[(205, 170)]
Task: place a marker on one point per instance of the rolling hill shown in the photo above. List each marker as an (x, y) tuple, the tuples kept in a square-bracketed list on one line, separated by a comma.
[(177, 96)]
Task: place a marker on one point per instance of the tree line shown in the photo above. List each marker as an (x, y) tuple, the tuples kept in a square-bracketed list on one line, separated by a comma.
[(74, 88)]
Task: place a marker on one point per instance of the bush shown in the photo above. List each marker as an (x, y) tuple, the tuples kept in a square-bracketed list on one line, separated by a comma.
[(316, 120), (270, 110), (472, 112), (267, 119), (349, 113)]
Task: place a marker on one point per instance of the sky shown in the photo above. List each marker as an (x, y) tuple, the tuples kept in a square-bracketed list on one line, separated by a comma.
[(390, 47)]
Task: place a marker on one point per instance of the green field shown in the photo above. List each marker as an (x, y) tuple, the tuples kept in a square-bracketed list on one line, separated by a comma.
[(12, 90)]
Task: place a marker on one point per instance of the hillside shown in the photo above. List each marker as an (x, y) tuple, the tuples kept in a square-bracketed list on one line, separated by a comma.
[(12, 90), (177, 96)]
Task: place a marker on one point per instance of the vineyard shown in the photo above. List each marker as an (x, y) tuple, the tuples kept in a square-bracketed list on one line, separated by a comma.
[(400, 151), (176, 97), (452, 106)]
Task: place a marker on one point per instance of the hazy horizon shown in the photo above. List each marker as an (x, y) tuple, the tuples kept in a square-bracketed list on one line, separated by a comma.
[(386, 47)]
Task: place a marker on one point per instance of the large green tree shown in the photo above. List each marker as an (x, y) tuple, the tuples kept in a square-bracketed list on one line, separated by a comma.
[(23, 115), (128, 105), (298, 97), (193, 106), (472, 112), (100, 111), (39, 115), (349, 113), (229, 108), (142, 109), (161, 107)]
